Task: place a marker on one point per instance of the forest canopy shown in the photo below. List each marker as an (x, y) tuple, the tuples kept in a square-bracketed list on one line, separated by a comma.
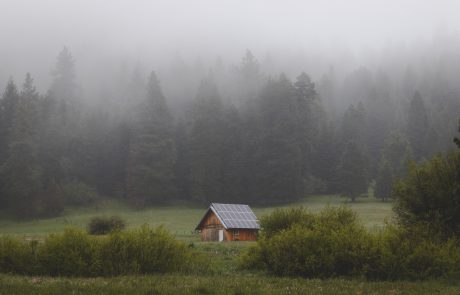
[(235, 133)]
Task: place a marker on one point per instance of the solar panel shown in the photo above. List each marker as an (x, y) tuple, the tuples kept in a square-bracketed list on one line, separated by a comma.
[(236, 216)]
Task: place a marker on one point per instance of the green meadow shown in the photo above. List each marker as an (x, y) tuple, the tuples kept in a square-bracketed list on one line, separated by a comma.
[(226, 277), (181, 219)]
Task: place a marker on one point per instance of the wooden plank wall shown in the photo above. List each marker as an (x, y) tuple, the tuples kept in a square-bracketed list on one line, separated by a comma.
[(244, 235), (212, 225)]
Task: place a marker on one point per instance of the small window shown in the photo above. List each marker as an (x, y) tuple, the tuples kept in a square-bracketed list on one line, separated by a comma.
[(236, 233)]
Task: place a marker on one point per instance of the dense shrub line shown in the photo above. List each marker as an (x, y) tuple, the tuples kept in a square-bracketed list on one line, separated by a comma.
[(104, 225), (295, 242), (76, 253)]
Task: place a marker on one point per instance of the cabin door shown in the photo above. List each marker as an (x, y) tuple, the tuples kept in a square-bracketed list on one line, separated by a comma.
[(221, 235)]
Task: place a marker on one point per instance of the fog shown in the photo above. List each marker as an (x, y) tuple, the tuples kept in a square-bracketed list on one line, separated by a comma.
[(261, 102), (153, 33)]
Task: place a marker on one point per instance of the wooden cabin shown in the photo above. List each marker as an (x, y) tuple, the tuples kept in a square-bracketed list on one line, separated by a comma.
[(228, 222)]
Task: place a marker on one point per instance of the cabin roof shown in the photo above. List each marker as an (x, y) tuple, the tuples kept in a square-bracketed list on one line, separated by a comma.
[(233, 216)]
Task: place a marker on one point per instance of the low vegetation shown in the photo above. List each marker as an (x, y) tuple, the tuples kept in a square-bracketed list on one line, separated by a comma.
[(105, 225), (332, 243), (430, 195), (76, 253), (226, 285)]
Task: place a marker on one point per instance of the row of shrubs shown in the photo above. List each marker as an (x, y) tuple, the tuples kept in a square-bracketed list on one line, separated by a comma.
[(76, 253), (295, 242)]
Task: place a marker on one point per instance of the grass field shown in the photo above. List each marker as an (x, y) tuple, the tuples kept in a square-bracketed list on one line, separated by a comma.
[(225, 278), (180, 220), (236, 284)]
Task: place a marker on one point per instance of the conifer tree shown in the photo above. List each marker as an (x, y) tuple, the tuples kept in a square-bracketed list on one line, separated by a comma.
[(309, 116), (152, 153), (182, 165), (8, 103), (61, 137), (21, 172), (63, 86), (417, 126), (396, 155), (354, 125), (384, 181), (249, 77), (277, 158), (353, 172), (206, 144)]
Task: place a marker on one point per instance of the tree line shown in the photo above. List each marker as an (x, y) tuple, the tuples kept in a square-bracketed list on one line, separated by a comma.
[(277, 140)]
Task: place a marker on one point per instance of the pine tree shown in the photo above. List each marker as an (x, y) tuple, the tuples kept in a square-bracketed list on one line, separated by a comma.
[(8, 104), (353, 172), (305, 88), (152, 153), (206, 144), (417, 126), (384, 181), (398, 153), (249, 78), (326, 158), (61, 135), (380, 116), (328, 90), (276, 154), (114, 160), (354, 125), (310, 116), (63, 86), (21, 172), (234, 157), (28, 107), (182, 166)]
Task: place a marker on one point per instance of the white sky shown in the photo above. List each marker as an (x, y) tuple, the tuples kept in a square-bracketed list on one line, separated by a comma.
[(32, 32)]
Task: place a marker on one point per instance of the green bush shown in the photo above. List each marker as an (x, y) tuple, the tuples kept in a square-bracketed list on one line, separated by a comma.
[(76, 253), (327, 244), (332, 243), (105, 225), (414, 254), (142, 251), (16, 256), (430, 195), (282, 219), (71, 253)]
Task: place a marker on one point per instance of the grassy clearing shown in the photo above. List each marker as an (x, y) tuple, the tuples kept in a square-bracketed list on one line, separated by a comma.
[(226, 277), (180, 220), (236, 284)]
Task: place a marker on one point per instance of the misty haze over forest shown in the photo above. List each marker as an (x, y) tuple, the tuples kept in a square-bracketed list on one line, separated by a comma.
[(239, 101)]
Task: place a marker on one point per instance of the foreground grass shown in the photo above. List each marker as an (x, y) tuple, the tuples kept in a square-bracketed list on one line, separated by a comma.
[(237, 284), (180, 220)]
